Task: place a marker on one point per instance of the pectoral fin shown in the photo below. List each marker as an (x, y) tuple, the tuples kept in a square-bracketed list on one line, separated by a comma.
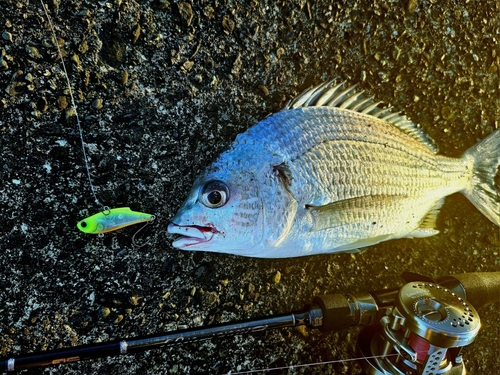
[(350, 211)]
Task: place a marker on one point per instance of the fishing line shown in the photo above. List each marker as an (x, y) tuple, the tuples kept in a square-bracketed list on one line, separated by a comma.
[(291, 367), (73, 105), (109, 219)]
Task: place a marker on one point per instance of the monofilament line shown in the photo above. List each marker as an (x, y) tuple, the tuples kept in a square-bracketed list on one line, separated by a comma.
[(291, 367), (73, 105)]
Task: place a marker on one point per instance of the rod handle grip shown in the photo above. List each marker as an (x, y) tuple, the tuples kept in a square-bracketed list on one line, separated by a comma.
[(480, 288)]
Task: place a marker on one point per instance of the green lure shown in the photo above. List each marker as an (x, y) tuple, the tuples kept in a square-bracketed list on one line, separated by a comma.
[(112, 219)]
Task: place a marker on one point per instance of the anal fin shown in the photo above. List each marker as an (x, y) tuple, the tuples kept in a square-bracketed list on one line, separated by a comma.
[(429, 221), (427, 226)]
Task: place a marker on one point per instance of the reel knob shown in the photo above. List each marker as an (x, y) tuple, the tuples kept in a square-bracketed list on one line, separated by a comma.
[(425, 334)]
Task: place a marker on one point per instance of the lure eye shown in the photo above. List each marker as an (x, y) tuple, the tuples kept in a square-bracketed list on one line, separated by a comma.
[(215, 194), (83, 224)]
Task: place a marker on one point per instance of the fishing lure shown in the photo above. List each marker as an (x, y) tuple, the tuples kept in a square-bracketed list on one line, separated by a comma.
[(112, 219)]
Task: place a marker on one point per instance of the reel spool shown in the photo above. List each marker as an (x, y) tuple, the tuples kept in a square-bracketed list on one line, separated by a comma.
[(425, 334)]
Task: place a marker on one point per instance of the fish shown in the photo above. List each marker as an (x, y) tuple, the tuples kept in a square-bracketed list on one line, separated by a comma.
[(112, 219), (334, 171)]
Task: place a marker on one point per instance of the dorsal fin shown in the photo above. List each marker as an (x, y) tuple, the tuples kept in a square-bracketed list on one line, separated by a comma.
[(330, 94)]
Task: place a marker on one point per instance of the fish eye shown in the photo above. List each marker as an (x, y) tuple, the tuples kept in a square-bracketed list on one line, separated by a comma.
[(83, 224), (215, 194)]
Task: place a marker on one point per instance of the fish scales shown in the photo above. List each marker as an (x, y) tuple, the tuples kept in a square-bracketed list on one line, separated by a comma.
[(325, 162), (318, 178)]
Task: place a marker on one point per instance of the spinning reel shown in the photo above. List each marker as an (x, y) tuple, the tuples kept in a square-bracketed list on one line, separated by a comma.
[(426, 333)]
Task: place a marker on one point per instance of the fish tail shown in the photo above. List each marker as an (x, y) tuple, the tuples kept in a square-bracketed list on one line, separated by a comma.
[(484, 189)]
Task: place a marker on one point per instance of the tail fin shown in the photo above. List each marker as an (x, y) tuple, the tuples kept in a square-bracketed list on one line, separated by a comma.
[(484, 190)]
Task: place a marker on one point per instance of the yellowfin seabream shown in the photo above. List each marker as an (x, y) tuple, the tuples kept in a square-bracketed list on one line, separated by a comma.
[(112, 219), (332, 172)]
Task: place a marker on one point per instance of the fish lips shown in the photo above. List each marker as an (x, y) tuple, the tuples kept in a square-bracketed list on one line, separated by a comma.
[(192, 236)]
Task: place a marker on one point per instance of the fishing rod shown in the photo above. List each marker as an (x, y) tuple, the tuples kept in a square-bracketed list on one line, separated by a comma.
[(420, 328)]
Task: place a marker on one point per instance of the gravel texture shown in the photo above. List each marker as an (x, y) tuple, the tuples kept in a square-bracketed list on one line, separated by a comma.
[(162, 87)]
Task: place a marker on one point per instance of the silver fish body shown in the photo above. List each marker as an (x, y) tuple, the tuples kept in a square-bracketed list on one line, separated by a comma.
[(333, 172)]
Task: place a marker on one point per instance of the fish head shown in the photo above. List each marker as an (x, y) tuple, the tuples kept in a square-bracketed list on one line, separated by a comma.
[(222, 213)]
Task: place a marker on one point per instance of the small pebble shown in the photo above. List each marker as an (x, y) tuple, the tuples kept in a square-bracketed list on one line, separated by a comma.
[(62, 102), (33, 52), (164, 3), (186, 67), (3, 64), (209, 299), (186, 12), (97, 103), (124, 78), (70, 112), (447, 113), (104, 311), (280, 52), (7, 36), (264, 90), (396, 53), (76, 59), (277, 277), (136, 33), (42, 104), (228, 24), (411, 6), (134, 300), (302, 330)]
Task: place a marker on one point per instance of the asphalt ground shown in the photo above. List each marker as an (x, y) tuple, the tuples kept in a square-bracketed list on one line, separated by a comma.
[(161, 89)]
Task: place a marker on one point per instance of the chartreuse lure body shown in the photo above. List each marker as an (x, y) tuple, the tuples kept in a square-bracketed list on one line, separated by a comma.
[(112, 219)]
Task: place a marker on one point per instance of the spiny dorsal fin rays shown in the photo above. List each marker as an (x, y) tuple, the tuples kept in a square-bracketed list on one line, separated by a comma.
[(390, 117), (381, 112), (362, 104), (370, 107), (354, 99), (340, 99), (308, 97), (327, 96), (302, 99), (330, 94)]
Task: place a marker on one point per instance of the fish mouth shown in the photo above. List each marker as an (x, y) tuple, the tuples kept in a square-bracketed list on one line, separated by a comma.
[(191, 235)]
